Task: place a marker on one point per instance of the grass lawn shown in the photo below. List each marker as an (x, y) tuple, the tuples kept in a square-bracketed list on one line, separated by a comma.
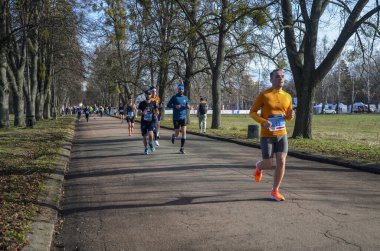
[(27, 156), (353, 137)]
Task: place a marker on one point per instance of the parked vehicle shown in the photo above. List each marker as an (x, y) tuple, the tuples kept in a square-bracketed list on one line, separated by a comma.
[(329, 111), (360, 107)]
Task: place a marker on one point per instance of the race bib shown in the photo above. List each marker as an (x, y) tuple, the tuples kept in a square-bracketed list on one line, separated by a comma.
[(131, 114), (148, 117), (278, 122)]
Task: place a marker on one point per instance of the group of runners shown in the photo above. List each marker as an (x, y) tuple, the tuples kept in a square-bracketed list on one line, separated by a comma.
[(271, 109), (150, 111)]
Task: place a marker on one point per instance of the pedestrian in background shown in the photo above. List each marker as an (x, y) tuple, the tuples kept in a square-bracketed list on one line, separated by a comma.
[(202, 115)]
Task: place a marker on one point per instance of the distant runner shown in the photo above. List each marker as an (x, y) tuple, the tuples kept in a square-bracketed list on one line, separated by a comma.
[(179, 103), (276, 109), (131, 114), (121, 113), (148, 111), (87, 112), (157, 100)]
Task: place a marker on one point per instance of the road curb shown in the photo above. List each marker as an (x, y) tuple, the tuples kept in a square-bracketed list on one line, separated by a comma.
[(41, 234), (306, 156)]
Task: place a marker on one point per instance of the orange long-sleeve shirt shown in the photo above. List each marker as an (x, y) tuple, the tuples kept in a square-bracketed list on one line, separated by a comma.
[(271, 102)]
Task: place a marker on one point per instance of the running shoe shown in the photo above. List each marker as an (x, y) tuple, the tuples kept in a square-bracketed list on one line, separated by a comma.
[(181, 150), (173, 138), (156, 143), (152, 148), (275, 195), (258, 173), (146, 151)]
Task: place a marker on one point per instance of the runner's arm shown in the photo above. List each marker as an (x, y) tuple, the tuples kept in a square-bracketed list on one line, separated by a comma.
[(170, 103), (255, 108), (289, 115)]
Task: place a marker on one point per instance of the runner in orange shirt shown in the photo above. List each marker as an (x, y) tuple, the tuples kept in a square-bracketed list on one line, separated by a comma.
[(276, 109), (157, 100)]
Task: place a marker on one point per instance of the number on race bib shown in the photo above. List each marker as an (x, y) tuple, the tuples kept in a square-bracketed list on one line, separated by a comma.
[(148, 117), (278, 122)]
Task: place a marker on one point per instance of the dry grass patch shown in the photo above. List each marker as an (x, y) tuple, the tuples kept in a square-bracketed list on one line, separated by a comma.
[(27, 156)]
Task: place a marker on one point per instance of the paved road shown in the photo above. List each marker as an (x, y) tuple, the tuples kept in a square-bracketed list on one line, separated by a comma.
[(118, 199)]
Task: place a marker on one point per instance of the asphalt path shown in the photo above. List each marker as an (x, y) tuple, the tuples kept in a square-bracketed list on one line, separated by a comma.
[(116, 198)]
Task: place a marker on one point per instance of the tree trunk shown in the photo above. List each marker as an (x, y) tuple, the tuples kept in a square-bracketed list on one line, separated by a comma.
[(17, 78), (216, 99), (47, 105), (4, 85), (47, 87), (189, 72), (304, 112), (31, 87), (217, 74), (40, 101), (162, 82), (18, 107), (4, 92), (41, 75)]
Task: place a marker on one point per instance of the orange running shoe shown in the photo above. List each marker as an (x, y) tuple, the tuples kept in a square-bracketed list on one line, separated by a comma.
[(277, 196), (258, 173)]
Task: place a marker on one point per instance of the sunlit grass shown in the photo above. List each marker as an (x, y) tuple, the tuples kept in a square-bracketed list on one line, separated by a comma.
[(347, 136)]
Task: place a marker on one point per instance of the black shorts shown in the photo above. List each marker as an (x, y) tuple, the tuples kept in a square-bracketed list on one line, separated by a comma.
[(121, 113), (131, 119), (179, 123), (147, 127), (271, 145)]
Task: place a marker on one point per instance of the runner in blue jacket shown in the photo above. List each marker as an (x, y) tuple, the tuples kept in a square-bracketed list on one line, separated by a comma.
[(179, 103)]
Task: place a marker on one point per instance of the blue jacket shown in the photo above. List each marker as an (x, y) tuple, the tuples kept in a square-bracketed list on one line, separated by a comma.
[(178, 114)]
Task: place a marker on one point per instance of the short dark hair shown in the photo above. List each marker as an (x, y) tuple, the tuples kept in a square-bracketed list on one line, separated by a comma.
[(274, 71)]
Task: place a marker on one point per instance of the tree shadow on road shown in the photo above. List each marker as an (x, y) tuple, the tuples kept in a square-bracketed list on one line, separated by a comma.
[(137, 170), (180, 201)]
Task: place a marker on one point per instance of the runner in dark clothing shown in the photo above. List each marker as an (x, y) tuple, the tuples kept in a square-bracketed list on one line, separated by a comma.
[(148, 111)]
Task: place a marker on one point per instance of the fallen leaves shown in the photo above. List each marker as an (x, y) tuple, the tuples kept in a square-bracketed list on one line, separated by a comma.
[(26, 157)]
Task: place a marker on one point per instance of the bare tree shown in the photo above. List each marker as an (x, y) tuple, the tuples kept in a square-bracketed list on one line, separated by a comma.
[(302, 52), (213, 28)]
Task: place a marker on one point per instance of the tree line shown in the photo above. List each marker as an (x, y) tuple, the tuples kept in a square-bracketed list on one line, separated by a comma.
[(208, 45), (41, 60)]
